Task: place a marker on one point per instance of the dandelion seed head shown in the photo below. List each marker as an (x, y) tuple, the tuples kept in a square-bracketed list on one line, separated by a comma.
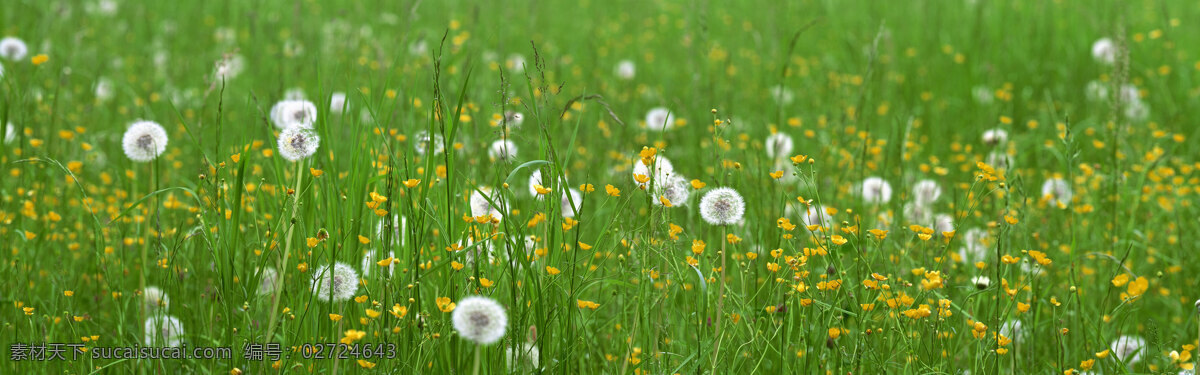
[(155, 299), (660, 119), (335, 284), (370, 261), (779, 145), (424, 141), (503, 150), (337, 102), (1057, 191), (626, 70), (571, 202), (297, 143), (522, 359), (876, 190), (663, 170), (925, 192), (267, 283), (1128, 348), (163, 331), (480, 320), (480, 205), (722, 206), (144, 141), (13, 48), (1104, 51), (676, 190), (294, 112), (995, 136)]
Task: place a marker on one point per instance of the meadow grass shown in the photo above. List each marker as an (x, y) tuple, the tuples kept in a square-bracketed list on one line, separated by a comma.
[(602, 267)]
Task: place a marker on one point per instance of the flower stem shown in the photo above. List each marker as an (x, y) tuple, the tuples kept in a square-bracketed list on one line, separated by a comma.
[(286, 252), (478, 357), (720, 298)]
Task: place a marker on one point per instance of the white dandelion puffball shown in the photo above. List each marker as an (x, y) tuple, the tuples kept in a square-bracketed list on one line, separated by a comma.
[(722, 206), (10, 133), (424, 141), (1014, 330), (535, 179), (876, 190), (104, 89), (297, 143), (267, 282), (370, 261), (1057, 191), (982, 95), (294, 112), (1128, 348), (779, 145), (523, 359), (13, 49), (660, 119), (1137, 111), (1096, 91), (943, 223), (919, 213), (676, 190), (782, 95), (229, 67), (998, 160), (1104, 51), (817, 215), (337, 102), (993, 137), (515, 63), (335, 284), (571, 202), (1130, 93), (926, 192), (981, 282), (502, 150), (144, 141), (480, 319), (513, 119), (663, 170), (626, 70), (163, 331), (975, 245), (480, 205), (155, 299)]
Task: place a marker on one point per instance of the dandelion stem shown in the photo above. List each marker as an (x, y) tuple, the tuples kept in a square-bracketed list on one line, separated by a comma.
[(286, 251), (478, 356), (720, 297)]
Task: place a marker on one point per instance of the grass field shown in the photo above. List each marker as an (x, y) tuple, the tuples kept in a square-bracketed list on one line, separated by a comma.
[(917, 187)]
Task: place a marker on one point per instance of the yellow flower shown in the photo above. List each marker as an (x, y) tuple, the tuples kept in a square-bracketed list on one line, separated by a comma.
[(696, 184), (444, 304), (335, 317), (40, 59), (541, 190), (838, 240), (365, 364), (611, 190), (587, 304), (777, 174), (665, 202), (316, 172), (312, 242), (363, 240), (552, 271), (412, 183)]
